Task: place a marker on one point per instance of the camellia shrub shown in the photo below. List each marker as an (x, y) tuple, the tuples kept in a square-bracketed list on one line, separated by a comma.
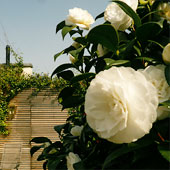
[(13, 81), (119, 103)]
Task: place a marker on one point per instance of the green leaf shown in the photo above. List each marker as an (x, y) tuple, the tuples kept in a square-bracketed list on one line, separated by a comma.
[(105, 35), (167, 74), (100, 16), (125, 148), (67, 50), (145, 59), (58, 54), (75, 53), (40, 140), (79, 166), (67, 91), (164, 150), (41, 157), (45, 165), (62, 68), (100, 65), (111, 62), (66, 30), (59, 128), (157, 43), (53, 163), (81, 40), (72, 101), (82, 77), (34, 149), (66, 75), (148, 31), (60, 26), (166, 104), (72, 32), (129, 11)]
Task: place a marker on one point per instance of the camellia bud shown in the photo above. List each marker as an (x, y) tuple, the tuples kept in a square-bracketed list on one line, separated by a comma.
[(143, 2), (102, 50), (76, 130), (164, 9), (76, 45), (72, 59), (166, 54)]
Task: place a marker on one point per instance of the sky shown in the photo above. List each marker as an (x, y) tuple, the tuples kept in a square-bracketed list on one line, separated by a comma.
[(29, 27)]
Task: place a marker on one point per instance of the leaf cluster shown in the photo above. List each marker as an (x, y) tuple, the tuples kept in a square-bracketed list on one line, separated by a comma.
[(12, 81)]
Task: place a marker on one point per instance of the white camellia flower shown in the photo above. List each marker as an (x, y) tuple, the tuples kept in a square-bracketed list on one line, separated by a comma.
[(117, 17), (79, 17), (166, 54), (164, 10), (72, 159), (156, 75), (121, 105), (76, 130)]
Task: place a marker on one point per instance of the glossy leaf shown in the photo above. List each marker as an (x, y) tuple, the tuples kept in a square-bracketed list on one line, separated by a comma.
[(148, 31), (100, 16), (165, 151), (62, 68), (111, 62), (166, 104), (59, 128), (40, 140), (60, 26), (126, 149), (105, 35), (75, 53), (58, 54), (100, 65), (167, 74), (41, 157), (81, 40), (145, 59), (79, 165), (66, 30), (45, 165), (72, 101), (66, 75), (129, 11), (82, 77), (67, 50), (67, 91), (34, 149)]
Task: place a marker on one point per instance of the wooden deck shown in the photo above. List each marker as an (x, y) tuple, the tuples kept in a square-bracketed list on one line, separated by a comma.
[(34, 117)]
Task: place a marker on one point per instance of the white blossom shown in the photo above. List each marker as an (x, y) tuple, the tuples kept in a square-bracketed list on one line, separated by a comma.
[(156, 75), (79, 17), (117, 17), (121, 105), (72, 159)]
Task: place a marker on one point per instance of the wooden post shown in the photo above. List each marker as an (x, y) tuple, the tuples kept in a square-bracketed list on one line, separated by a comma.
[(7, 55)]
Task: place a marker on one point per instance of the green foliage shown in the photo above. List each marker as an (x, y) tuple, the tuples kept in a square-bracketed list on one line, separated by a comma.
[(12, 81), (137, 47)]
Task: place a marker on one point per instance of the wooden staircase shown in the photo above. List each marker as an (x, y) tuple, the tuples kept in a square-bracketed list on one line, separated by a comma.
[(35, 117)]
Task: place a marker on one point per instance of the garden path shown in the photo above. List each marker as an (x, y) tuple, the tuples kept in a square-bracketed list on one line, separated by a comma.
[(35, 117)]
